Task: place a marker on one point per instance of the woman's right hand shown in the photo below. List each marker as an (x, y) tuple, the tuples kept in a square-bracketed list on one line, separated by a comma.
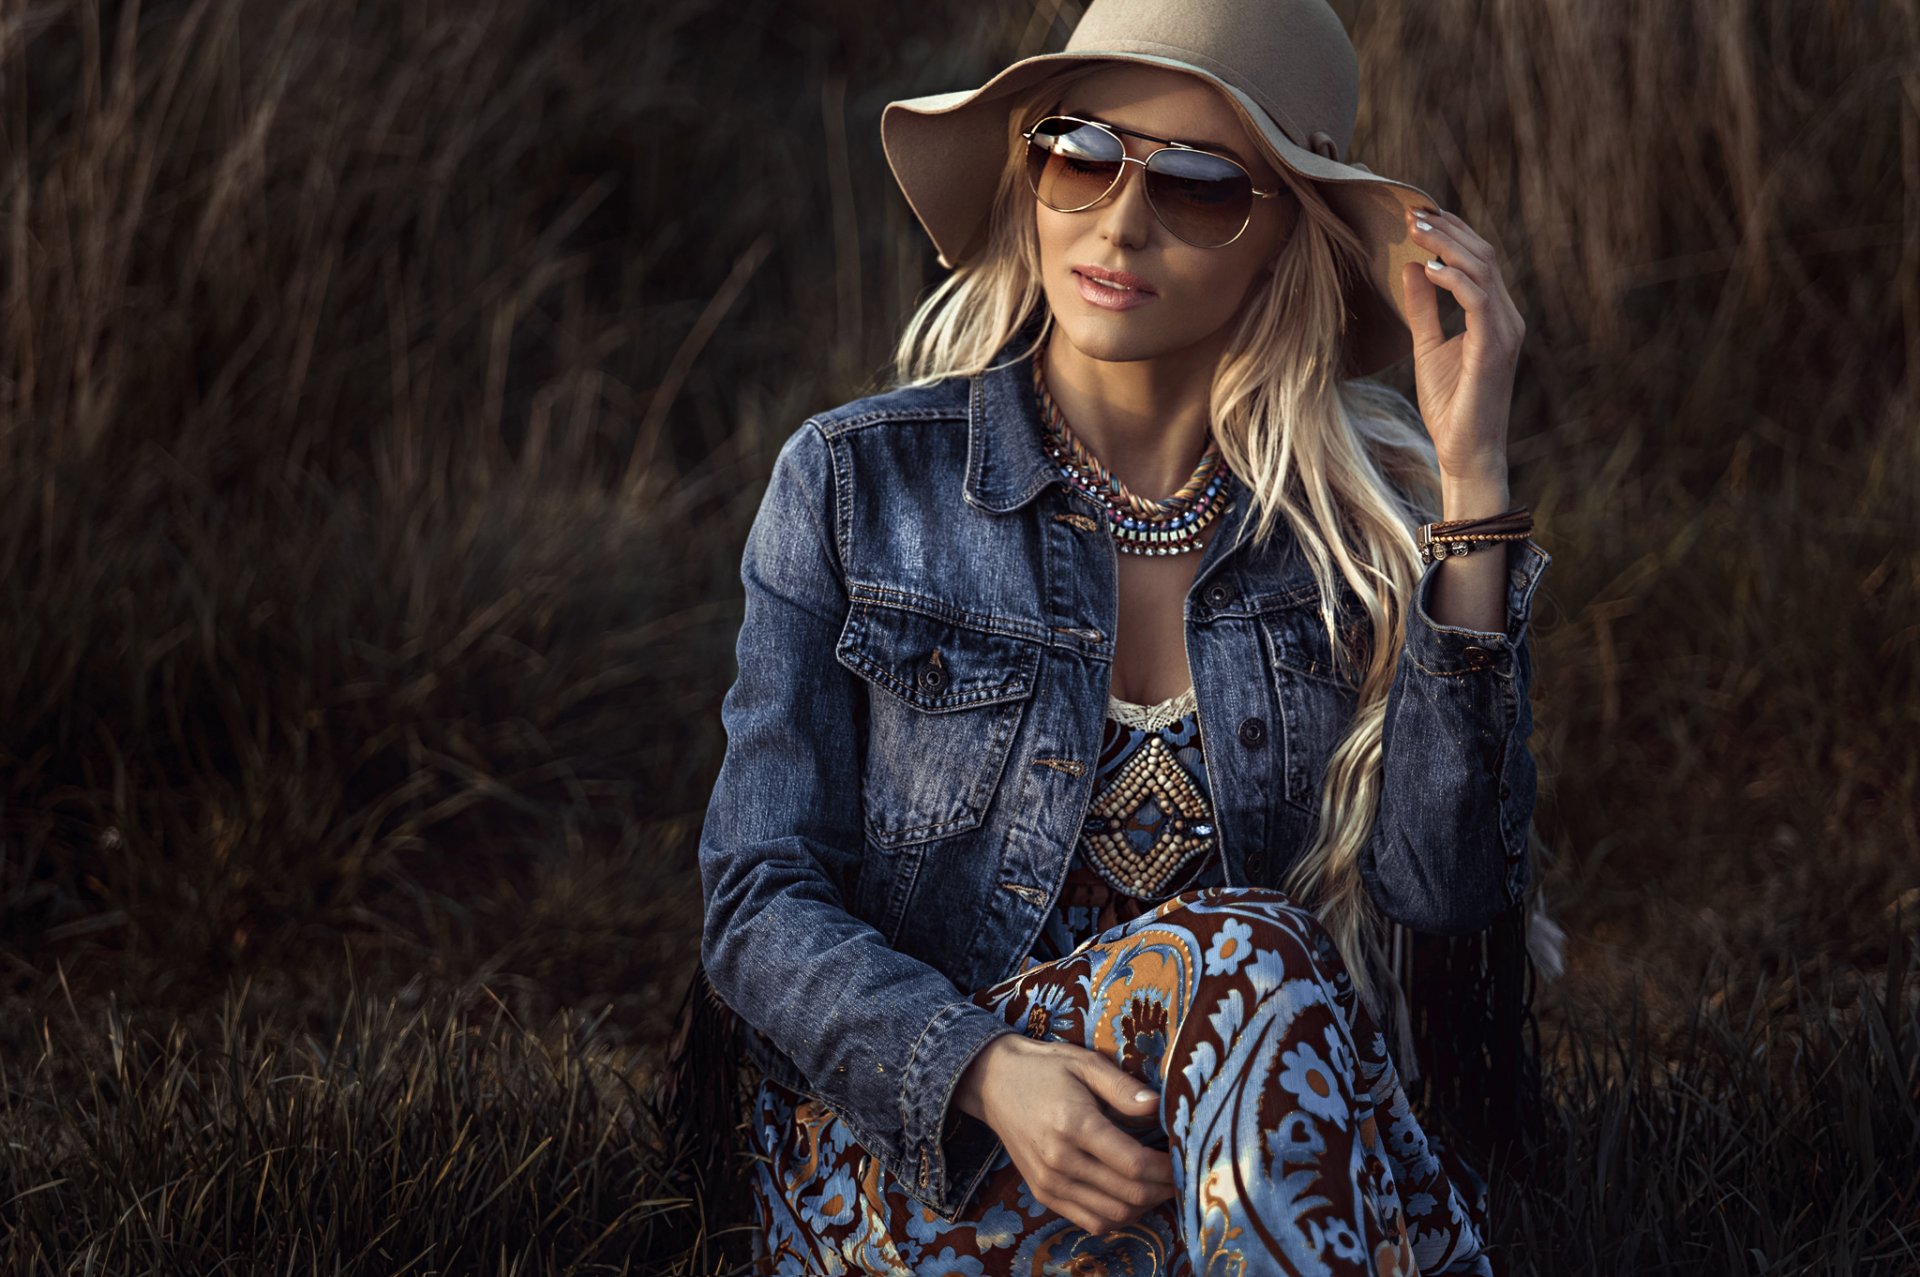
[(1043, 1099)]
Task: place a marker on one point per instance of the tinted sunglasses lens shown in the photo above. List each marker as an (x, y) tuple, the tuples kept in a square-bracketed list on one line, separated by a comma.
[(1070, 165), (1202, 198)]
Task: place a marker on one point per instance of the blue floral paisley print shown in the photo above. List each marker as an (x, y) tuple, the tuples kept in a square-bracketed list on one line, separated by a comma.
[(1294, 1147)]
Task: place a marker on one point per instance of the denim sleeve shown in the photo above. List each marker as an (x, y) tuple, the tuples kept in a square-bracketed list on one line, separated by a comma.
[(1449, 850), (881, 1036)]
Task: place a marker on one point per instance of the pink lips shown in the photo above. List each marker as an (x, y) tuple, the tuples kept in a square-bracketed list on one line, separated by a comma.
[(1112, 298)]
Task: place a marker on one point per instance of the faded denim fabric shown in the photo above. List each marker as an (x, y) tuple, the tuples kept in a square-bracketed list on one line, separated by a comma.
[(924, 665)]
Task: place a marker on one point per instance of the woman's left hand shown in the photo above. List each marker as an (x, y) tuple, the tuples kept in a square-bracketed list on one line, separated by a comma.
[(1464, 383)]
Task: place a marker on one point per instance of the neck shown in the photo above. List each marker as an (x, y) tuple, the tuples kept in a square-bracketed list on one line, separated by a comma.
[(1146, 419)]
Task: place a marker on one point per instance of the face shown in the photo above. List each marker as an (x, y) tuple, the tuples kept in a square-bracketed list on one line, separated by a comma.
[(1194, 292)]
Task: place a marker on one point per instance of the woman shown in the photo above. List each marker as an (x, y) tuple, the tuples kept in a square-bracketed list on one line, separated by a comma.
[(1042, 976)]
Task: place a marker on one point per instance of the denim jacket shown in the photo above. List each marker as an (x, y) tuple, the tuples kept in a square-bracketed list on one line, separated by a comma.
[(924, 663)]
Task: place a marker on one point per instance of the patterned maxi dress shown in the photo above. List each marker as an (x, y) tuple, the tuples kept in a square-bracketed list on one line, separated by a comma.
[(1294, 1149)]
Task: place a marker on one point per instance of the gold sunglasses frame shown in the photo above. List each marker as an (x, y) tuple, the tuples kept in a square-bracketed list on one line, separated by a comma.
[(1166, 144)]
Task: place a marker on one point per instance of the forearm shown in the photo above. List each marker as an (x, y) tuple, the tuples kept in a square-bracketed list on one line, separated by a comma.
[(855, 1015), (1449, 843)]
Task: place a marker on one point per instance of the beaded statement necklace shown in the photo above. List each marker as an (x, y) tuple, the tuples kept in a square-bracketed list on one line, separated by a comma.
[(1137, 524)]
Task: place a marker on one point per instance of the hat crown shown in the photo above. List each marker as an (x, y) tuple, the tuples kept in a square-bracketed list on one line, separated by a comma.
[(1293, 58)]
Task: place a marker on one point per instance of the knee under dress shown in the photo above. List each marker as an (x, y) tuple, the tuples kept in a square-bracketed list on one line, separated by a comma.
[(1294, 1148)]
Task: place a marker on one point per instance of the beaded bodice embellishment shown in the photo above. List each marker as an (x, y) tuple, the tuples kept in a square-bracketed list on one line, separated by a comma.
[(1151, 817)]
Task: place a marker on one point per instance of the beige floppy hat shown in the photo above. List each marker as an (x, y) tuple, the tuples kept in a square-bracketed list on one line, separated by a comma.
[(1286, 65)]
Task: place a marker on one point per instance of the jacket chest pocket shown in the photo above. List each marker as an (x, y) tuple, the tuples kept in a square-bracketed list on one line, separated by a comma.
[(1317, 700), (946, 701)]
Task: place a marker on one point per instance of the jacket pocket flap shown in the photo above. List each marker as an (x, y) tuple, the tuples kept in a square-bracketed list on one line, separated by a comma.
[(934, 664), (1299, 642)]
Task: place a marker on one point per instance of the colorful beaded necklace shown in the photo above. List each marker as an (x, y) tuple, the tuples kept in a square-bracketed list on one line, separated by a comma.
[(1137, 524)]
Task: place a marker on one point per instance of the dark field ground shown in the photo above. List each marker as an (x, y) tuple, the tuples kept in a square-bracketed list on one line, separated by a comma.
[(384, 393)]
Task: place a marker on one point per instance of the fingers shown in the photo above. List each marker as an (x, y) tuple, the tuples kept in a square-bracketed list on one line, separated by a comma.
[(1095, 1196), (1468, 268), (1073, 1156), (1122, 1165), (1423, 308), (1121, 1161), (1111, 1201), (1134, 1195), (1093, 1211), (1110, 1175), (1463, 271), (1470, 238), (1456, 242), (1116, 1086), (1119, 1169)]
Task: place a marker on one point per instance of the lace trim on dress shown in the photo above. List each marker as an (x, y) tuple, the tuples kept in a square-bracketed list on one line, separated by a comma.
[(1152, 717)]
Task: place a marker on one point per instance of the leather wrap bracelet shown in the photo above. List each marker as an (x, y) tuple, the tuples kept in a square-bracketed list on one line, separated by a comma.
[(1462, 536)]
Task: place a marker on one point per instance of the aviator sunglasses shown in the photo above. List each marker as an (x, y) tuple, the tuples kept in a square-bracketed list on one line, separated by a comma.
[(1202, 198)]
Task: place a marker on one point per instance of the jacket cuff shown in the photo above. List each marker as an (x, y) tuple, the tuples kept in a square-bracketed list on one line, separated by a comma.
[(1458, 649), (947, 1158)]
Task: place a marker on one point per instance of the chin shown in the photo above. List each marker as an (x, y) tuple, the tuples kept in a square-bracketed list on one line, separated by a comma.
[(1114, 338)]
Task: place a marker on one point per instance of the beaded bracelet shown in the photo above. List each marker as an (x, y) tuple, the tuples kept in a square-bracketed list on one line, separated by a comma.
[(1437, 548)]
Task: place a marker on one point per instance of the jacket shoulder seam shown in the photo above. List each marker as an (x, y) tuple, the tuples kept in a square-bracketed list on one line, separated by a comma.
[(834, 427)]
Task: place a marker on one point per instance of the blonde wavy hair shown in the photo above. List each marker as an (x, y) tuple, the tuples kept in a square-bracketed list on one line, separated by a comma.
[(1345, 463)]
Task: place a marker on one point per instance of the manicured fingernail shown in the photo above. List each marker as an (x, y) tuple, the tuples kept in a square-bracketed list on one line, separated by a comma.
[(1436, 264), (1425, 226), (1143, 1097)]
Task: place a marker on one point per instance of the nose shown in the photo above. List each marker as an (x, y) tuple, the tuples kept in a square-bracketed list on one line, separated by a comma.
[(1125, 215)]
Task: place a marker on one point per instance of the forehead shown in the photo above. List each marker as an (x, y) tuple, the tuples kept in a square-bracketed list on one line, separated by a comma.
[(1165, 103)]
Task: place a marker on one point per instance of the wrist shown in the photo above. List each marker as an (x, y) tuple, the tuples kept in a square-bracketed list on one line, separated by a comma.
[(969, 1091), (1474, 494)]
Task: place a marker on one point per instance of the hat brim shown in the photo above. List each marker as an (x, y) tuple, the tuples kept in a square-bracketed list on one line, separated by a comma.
[(943, 149)]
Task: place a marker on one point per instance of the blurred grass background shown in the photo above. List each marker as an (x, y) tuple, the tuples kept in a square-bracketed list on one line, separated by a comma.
[(384, 393)]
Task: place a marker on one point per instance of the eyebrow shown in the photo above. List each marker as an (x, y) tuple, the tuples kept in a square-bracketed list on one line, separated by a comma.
[(1221, 147)]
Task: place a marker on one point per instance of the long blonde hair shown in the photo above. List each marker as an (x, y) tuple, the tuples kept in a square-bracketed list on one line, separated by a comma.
[(1344, 463)]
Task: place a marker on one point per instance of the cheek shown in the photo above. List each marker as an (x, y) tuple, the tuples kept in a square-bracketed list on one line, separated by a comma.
[(1230, 281), (1053, 241), (1060, 231)]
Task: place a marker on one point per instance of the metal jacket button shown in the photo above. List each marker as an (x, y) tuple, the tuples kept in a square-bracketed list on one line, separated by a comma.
[(1477, 658), (1219, 594), (1252, 731), (932, 678)]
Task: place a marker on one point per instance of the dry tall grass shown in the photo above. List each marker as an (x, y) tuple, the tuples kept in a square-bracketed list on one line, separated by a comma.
[(383, 394)]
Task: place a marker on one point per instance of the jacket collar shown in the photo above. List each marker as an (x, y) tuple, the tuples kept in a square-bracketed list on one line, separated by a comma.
[(1006, 465)]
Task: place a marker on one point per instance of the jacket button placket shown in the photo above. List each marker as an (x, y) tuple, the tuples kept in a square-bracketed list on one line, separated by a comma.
[(1076, 557), (1218, 640)]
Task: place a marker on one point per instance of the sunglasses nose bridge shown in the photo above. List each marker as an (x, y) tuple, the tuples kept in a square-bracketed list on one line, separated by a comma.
[(1120, 177)]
